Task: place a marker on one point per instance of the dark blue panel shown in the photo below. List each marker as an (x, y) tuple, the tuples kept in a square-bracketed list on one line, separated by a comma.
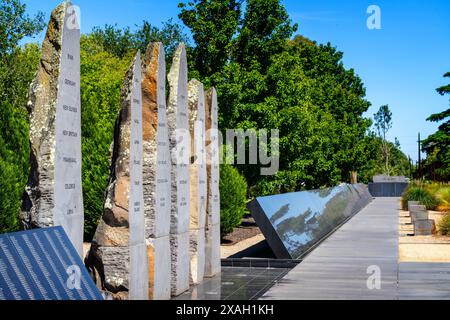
[(42, 264), (293, 223)]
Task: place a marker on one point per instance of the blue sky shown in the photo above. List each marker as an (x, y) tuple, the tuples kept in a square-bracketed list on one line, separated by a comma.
[(401, 65)]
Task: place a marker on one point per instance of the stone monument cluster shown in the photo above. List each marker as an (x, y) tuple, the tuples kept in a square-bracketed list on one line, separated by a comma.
[(160, 228)]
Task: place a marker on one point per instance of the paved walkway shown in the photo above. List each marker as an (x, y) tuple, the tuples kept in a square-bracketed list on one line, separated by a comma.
[(341, 266)]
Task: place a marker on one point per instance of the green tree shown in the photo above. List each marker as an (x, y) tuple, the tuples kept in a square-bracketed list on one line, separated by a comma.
[(15, 25), (121, 41), (102, 75), (265, 80), (17, 68), (437, 146), (383, 123), (265, 29), (213, 25)]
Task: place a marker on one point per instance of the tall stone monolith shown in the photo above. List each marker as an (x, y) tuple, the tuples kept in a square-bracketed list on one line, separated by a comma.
[(178, 122), (53, 195), (198, 187), (118, 256), (212, 254), (156, 171)]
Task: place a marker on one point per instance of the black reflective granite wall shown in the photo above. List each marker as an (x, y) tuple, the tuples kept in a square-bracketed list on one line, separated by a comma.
[(387, 189), (293, 223)]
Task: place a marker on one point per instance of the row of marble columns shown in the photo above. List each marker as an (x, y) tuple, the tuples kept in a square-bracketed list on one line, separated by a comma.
[(173, 234), (160, 229)]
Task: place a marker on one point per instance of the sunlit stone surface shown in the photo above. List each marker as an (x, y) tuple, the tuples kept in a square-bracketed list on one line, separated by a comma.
[(212, 239), (293, 223), (179, 246), (178, 122), (158, 253), (212, 251), (198, 176), (118, 256), (198, 187), (156, 171), (53, 196)]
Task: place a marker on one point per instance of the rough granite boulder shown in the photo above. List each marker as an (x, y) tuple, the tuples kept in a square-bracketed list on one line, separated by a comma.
[(53, 195), (156, 171), (109, 257)]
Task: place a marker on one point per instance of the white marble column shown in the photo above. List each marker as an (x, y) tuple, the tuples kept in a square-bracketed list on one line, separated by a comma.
[(198, 187), (156, 171), (177, 118), (138, 274), (212, 254)]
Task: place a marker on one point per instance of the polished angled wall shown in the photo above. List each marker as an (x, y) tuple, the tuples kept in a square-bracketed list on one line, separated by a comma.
[(293, 223)]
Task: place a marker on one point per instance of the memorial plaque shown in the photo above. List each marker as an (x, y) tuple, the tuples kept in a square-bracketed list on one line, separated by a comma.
[(156, 171), (198, 179), (293, 223), (42, 264), (157, 163), (212, 239), (138, 250), (118, 256), (178, 122), (54, 192)]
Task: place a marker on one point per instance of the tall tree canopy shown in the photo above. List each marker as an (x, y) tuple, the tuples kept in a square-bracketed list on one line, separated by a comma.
[(437, 146), (17, 69), (266, 80), (15, 25), (120, 41), (266, 77), (213, 24)]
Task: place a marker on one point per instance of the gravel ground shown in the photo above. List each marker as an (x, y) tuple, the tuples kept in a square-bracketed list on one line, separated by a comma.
[(247, 230), (434, 248)]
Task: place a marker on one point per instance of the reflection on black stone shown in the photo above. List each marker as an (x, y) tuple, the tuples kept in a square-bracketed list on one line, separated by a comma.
[(304, 218)]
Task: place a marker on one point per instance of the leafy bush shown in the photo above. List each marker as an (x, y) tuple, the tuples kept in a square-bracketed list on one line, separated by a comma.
[(415, 193), (16, 73), (443, 195), (102, 76), (445, 225), (233, 198)]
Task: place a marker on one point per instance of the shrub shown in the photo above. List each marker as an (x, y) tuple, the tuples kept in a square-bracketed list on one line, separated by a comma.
[(420, 194), (443, 195), (444, 225), (16, 73), (101, 80), (233, 198)]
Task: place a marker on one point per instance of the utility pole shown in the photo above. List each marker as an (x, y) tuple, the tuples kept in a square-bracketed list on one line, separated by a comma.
[(411, 164), (420, 158)]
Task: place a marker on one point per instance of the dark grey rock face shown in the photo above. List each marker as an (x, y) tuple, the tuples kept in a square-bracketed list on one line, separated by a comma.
[(118, 255), (156, 171), (53, 195)]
